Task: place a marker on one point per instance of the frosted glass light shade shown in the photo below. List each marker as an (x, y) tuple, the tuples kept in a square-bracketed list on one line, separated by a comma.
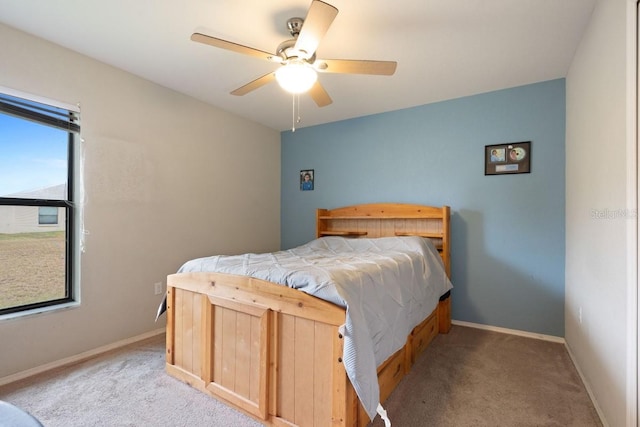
[(296, 77)]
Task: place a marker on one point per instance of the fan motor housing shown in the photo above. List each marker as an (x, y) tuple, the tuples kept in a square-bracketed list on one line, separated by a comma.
[(287, 51)]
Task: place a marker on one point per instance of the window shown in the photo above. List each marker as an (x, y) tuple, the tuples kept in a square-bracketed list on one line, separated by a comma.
[(37, 206), (47, 215)]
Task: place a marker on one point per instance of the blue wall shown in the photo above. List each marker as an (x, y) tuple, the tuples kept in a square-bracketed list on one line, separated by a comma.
[(507, 251)]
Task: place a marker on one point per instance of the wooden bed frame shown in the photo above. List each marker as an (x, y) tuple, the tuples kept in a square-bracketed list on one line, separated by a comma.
[(274, 352)]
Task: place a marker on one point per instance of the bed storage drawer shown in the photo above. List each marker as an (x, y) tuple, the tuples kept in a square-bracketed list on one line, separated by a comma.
[(390, 374), (422, 335)]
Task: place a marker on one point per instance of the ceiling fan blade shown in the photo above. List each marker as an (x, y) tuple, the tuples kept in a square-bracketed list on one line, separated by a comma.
[(257, 83), (319, 18), (319, 95), (234, 47), (350, 66)]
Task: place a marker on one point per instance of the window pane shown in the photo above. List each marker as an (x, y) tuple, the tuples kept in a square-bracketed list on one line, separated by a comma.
[(48, 215), (33, 160), (32, 262)]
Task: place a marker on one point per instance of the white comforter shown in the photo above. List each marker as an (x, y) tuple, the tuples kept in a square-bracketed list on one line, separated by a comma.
[(388, 286)]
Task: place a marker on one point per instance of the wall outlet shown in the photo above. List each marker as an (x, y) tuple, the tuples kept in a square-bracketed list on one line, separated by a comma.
[(157, 288)]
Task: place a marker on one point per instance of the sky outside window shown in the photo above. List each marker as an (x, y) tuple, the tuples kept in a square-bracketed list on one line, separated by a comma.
[(32, 156)]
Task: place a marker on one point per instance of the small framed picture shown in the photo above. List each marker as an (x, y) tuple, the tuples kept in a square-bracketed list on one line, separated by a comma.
[(306, 180), (509, 158)]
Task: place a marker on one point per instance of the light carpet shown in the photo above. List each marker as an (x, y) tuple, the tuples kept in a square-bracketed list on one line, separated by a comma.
[(468, 377)]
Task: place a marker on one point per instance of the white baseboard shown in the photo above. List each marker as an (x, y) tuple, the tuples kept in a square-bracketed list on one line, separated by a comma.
[(586, 386), (526, 334), (78, 357)]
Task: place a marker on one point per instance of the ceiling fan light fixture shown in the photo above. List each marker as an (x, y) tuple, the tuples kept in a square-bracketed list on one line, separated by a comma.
[(296, 77)]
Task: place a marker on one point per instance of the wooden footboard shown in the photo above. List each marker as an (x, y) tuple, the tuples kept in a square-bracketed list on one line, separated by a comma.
[(273, 352)]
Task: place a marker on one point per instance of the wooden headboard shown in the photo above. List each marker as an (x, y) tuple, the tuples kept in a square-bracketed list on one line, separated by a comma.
[(389, 219)]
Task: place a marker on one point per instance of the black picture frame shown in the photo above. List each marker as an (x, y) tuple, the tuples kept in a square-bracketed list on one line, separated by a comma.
[(307, 177), (507, 159)]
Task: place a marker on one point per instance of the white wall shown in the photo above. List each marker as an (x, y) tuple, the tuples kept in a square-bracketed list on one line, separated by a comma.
[(597, 216), (168, 178)]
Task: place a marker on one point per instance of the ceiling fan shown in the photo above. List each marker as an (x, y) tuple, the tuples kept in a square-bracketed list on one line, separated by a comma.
[(297, 56)]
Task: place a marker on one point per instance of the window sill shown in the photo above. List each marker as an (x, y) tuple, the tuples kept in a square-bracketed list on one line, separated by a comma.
[(40, 310)]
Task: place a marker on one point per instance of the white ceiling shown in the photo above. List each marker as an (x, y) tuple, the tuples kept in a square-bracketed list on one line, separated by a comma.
[(444, 48)]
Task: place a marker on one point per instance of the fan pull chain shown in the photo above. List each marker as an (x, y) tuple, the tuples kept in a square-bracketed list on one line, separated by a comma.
[(295, 113)]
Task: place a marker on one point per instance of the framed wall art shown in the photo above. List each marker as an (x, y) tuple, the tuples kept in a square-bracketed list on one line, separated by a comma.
[(504, 159), (306, 180)]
